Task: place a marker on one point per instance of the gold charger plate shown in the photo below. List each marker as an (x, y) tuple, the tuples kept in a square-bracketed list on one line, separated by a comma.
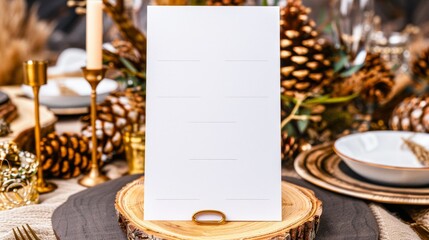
[(322, 167)]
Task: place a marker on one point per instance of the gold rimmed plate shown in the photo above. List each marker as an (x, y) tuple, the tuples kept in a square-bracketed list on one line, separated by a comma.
[(383, 157), (322, 167)]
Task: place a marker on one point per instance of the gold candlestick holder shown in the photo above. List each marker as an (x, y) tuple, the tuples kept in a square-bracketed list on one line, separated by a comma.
[(94, 177), (35, 75)]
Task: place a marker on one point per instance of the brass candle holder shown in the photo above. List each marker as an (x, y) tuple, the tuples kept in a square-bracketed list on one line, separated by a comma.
[(94, 177), (135, 151), (35, 75)]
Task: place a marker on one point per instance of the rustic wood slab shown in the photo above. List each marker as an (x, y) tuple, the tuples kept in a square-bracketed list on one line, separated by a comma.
[(301, 214), (23, 126)]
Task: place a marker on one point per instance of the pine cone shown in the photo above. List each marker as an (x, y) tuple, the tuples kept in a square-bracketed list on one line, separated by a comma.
[(305, 66), (374, 81), (412, 114), (65, 156), (224, 2), (127, 29), (290, 148), (420, 66), (120, 111), (125, 50)]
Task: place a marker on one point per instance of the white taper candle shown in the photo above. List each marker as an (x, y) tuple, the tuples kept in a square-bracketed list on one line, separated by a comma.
[(94, 34)]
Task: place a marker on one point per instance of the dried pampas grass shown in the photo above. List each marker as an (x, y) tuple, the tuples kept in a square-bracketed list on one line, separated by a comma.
[(22, 37)]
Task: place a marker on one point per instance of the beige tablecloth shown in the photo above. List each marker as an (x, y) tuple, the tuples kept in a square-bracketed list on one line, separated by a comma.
[(39, 216)]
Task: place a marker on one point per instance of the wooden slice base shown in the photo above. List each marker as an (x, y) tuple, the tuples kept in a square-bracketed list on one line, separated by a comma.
[(301, 214), (23, 126)]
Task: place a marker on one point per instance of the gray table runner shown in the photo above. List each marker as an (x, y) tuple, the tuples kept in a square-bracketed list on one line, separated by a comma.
[(90, 214)]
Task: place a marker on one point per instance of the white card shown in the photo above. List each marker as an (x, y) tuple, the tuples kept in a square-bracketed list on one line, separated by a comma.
[(213, 113)]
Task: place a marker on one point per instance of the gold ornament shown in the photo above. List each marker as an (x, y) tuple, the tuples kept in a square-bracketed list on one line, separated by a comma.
[(18, 177)]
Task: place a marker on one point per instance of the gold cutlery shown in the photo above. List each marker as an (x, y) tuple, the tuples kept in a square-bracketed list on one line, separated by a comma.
[(26, 233)]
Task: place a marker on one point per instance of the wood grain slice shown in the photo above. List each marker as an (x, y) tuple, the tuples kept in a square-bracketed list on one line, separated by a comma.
[(23, 126), (301, 215)]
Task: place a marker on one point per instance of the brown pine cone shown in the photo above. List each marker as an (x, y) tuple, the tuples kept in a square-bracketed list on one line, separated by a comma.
[(291, 147), (121, 111), (412, 114), (305, 65), (420, 66), (65, 156), (124, 50), (127, 29), (374, 81)]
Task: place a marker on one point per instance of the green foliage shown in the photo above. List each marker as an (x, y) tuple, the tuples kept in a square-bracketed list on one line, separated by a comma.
[(337, 118), (303, 124), (265, 3), (131, 70), (342, 65), (131, 76), (300, 116), (326, 99), (350, 71)]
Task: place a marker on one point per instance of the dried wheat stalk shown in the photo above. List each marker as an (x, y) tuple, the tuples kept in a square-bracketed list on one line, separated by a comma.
[(421, 153), (22, 37)]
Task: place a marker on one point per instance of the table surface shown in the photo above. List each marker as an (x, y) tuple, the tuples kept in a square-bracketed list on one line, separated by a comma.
[(41, 216)]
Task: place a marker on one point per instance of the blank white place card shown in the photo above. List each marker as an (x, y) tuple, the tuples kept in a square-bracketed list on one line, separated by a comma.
[(213, 113)]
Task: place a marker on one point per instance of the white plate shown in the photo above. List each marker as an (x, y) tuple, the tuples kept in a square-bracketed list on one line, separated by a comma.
[(76, 94), (69, 61), (382, 156)]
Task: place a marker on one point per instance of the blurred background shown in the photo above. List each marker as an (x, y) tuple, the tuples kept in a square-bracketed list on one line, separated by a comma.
[(69, 27)]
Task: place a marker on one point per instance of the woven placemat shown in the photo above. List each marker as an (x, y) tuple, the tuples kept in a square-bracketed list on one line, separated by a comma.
[(90, 214)]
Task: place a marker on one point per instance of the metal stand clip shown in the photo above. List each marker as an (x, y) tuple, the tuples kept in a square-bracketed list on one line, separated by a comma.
[(209, 222)]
